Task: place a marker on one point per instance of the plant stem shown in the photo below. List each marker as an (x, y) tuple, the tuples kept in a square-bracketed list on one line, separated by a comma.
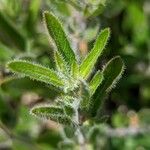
[(78, 133), (81, 139)]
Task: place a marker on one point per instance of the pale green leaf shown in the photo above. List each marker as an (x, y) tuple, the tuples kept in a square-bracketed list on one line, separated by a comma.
[(57, 33), (95, 82), (89, 62), (35, 71)]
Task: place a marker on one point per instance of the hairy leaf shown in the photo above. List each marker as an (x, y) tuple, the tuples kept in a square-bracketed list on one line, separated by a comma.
[(95, 82), (54, 113), (112, 73), (35, 71), (89, 62), (57, 33)]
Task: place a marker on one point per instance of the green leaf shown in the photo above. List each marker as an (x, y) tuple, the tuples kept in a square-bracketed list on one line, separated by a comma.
[(54, 113), (57, 33), (60, 63), (112, 73), (35, 71), (12, 35), (95, 82), (89, 62)]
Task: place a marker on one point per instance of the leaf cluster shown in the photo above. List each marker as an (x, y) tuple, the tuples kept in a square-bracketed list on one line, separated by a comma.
[(71, 77)]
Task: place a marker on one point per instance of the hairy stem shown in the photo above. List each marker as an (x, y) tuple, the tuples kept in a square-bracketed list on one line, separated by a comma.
[(78, 133)]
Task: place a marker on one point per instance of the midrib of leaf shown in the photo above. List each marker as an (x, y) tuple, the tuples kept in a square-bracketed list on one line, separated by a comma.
[(35, 71)]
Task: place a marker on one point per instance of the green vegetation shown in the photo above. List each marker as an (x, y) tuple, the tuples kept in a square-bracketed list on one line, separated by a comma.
[(63, 93)]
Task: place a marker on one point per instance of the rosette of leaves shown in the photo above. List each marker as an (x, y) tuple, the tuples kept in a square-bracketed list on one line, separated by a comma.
[(79, 98)]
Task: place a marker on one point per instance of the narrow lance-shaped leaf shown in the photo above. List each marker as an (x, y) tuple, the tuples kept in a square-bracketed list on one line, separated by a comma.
[(35, 71), (112, 73), (89, 62), (54, 113), (57, 33), (95, 82)]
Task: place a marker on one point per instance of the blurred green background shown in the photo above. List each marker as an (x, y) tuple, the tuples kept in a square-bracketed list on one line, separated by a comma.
[(23, 35)]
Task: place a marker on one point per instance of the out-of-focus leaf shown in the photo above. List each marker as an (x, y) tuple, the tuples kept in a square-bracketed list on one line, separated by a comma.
[(34, 6), (136, 22), (10, 35)]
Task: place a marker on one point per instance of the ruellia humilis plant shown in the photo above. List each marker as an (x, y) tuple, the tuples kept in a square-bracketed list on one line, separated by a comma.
[(81, 95)]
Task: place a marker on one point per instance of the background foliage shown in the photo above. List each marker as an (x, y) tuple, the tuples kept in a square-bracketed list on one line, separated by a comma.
[(22, 35)]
